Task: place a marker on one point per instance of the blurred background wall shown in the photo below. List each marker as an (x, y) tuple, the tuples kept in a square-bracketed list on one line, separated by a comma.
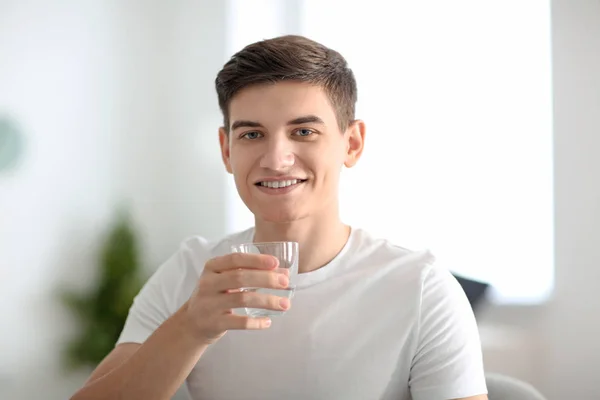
[(116, 104)]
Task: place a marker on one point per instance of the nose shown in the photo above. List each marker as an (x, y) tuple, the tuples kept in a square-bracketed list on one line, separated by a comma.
[(279, 154)]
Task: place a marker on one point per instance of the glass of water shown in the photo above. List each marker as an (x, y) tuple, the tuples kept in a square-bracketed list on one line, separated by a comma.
[(287, 254)]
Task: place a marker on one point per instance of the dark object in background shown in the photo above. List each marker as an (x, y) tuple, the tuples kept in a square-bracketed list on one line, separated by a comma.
[(475, 290)]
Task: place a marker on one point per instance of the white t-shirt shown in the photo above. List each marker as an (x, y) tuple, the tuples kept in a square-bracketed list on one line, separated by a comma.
[(377, 322)]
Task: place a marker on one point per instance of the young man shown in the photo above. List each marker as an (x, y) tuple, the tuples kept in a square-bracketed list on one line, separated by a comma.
[(370, 320)]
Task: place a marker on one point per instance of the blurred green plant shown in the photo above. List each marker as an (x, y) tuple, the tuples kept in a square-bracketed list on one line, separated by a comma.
[(102, 311)]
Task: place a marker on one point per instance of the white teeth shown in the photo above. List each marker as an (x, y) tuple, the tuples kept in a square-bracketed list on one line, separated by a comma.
[(279, 184)]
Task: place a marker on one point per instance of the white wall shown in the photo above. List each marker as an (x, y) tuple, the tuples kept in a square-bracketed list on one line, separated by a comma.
[(572, 321), (57, 78), (172, 173), (117, 104), (563, 350)]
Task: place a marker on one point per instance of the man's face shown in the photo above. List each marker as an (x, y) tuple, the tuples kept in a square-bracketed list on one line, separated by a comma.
[(285, 150)]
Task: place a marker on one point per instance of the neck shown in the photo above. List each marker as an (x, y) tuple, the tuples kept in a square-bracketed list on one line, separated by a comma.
[(320, 237)]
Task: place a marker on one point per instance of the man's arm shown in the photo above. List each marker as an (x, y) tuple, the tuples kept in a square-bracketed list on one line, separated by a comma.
[(480, 397), (153, 370), (173, 345)]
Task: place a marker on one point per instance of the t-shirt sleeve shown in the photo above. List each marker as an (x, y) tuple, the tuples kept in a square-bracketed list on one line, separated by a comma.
[(448, 362), (162, 295)]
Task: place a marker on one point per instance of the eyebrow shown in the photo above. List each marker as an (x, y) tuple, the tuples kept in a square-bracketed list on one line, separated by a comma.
[(245, 124), (306, 119)]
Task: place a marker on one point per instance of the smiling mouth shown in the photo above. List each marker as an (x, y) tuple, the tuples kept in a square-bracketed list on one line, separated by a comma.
[(280, 184)]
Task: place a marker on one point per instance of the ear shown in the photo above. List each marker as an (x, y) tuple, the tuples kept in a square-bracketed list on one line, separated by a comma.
[(225, 151), (356, 141)]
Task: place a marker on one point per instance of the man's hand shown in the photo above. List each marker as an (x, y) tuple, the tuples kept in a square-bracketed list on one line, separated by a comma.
[(209, 309)]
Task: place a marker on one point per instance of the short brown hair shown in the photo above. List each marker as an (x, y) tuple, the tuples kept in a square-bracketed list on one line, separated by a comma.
[(289, 57)]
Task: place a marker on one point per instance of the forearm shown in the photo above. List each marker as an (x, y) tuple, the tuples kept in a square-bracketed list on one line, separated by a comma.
[(155, 371)]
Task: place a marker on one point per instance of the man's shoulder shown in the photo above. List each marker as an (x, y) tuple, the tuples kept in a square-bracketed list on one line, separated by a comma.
[(178, 274), (386, 254), (198, 249)]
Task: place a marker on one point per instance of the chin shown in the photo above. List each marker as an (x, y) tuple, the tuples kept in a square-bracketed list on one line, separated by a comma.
[(281, 216)]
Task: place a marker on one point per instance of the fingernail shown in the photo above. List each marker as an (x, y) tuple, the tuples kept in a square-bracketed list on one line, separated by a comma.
[(268, 322), (284, 303), (284, 281)]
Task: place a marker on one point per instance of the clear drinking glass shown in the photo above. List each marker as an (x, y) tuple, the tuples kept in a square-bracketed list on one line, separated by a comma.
[(287, 254)]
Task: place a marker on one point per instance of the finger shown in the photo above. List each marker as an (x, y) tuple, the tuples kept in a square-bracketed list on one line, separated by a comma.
[(241, 260), (244, 278), (233, 321), (253, 299)]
